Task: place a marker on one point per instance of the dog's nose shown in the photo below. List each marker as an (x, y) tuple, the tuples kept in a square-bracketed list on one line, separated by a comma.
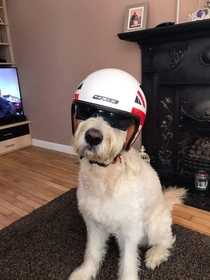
[(93, 136)]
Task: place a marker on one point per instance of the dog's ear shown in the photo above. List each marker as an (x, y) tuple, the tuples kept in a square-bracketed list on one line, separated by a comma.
[(129, 135)]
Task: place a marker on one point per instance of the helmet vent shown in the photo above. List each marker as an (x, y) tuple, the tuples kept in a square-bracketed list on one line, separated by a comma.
[(80, 86)]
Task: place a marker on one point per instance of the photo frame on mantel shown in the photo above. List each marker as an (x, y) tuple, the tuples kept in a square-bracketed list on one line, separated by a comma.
[(136, 17)]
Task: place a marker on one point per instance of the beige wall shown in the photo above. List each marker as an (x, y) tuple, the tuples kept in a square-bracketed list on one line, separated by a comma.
[(58, 42)]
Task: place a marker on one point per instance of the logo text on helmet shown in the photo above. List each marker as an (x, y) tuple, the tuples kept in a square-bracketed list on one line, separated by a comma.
[(106, 99)]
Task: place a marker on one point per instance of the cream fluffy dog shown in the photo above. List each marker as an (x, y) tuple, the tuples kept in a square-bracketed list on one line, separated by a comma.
[(123, 198)]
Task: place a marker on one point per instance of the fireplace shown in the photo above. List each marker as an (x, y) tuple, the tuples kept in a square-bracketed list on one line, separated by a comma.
[(176, 83)]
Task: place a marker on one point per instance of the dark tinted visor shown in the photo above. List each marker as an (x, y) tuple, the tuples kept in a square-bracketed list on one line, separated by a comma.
[(115, 120)]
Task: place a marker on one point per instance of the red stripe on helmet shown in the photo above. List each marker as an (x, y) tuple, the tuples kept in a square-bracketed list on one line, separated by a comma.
[(140, 113), (76, 96), (141, 98)]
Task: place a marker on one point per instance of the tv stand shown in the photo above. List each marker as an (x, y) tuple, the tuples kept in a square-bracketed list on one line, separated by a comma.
[(15, 136)]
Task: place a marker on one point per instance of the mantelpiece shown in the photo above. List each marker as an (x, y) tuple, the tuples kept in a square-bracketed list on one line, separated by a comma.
[(176, 82), (171, 33)]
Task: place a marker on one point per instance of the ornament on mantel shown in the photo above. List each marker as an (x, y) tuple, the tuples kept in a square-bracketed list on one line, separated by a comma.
[(201, 13), (144, 155)]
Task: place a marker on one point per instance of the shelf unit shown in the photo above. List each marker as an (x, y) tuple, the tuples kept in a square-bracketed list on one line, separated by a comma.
[(16, 135), (6, 48)]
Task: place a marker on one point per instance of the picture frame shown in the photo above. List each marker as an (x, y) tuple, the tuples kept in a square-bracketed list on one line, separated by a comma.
[(136, 17)]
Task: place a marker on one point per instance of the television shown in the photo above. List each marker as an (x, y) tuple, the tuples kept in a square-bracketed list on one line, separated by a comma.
[(11, 105)]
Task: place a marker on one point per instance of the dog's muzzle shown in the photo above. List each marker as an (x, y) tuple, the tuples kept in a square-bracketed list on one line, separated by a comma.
[(93, 137)]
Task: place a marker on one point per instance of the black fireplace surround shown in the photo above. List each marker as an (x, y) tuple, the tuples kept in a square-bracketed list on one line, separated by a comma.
[(176, 83)]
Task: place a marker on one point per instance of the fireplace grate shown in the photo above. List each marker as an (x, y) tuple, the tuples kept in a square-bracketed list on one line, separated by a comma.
[(195, 163), (198, 155)]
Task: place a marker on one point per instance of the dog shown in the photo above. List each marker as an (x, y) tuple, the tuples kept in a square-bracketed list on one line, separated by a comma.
[(120, 194)]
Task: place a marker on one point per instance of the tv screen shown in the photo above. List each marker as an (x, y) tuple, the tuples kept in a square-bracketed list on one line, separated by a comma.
[(11, 106)]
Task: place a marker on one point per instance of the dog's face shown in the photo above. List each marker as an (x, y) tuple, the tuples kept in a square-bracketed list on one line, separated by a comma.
[(96, 140)]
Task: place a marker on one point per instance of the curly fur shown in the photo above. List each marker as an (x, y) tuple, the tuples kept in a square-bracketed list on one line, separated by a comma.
[(124, 199)]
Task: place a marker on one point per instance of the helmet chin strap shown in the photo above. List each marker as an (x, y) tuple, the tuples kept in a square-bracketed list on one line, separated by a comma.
[(74, 122), (130, 132)]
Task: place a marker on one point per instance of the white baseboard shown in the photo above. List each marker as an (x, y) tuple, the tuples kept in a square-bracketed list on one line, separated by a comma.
[(53, 146)]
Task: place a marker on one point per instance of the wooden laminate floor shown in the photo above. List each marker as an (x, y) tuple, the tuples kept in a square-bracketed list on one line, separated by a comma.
[(31, 177)]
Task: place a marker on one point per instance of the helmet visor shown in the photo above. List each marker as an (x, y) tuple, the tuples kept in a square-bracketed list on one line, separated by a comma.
[(115, 120)]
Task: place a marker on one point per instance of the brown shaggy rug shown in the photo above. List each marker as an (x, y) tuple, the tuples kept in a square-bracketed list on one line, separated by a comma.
[(50, 242)]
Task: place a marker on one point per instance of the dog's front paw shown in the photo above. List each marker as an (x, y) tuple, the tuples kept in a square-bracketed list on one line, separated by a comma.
[(155, 256), (80, 274), (128, 278)]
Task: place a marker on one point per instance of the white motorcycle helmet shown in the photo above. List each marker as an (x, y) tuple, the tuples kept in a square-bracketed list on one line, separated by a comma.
[(114, 95)]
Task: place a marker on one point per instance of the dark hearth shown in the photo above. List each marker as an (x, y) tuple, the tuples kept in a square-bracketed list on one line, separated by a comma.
[(176, 82)]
